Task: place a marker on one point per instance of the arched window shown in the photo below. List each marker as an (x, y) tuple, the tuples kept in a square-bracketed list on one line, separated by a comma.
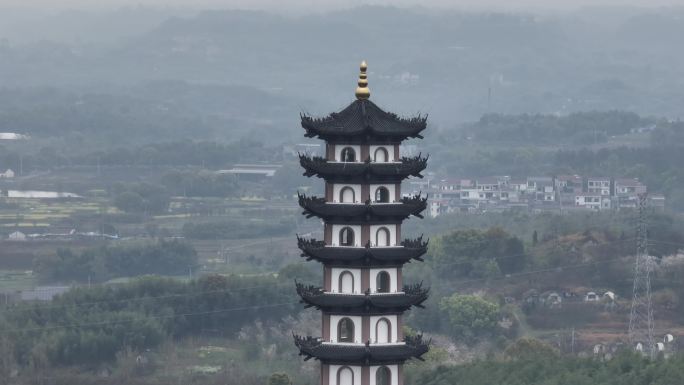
[(382, 282), (348, 155), (345, 376), (383, 331), (383, 376), (381, 155), (382, 195), (347, 195), (346, 282), (345, 330), (347, 236), (382, 237)]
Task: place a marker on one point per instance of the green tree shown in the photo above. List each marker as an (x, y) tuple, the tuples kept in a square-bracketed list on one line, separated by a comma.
[(279, 379), (471, 253), (299, 271), (470, 316), (129, 201)]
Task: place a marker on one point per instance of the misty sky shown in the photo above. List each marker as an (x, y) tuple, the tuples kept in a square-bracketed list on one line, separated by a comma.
[(314, 5)]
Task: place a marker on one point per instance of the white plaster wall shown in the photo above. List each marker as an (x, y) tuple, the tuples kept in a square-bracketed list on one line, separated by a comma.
[(394, 369), (393, 279), (335, 279), (340, 147), (374, 229), (390, 152), (335, 319), (338, 187), (357, 234), (357, 374), (390, 187), (393, 326)]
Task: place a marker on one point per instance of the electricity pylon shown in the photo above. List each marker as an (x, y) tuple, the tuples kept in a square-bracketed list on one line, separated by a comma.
[(641, 316)]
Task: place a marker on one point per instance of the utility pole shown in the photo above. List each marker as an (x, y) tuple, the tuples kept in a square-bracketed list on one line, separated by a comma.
[(572, 342), (641, 315)]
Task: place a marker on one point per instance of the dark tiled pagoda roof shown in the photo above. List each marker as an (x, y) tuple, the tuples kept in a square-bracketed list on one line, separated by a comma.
[(363, 256), (363, 171), (363, 121), (368, 354), (366, 213), (363, 304)]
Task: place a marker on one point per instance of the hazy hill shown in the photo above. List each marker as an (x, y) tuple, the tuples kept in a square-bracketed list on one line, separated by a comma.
[(455, 66)]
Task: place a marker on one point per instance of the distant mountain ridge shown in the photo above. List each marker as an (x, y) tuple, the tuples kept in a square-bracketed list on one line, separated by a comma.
[(454, 65)]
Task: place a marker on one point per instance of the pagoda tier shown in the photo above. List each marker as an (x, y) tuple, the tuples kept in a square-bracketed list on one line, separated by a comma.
[(363, 304), (368, 354), (313, 249), (363, 122), (363, 213), (367, 171)]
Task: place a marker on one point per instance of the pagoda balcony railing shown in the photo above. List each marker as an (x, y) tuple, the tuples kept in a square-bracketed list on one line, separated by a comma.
[(365, 171), (408, 250), (368, 211), (411, 295), (368, 354)]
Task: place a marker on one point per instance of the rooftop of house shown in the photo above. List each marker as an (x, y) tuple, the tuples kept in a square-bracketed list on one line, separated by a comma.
[(487, 180), (629, 182), (254, 169), (569, 178), (440, 201), (541, 179), (450, 181)]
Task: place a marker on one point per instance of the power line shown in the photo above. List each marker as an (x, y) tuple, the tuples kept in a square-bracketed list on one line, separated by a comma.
[(144, 298), (539, 271), (148, 298), (294, 302), (80, 325)]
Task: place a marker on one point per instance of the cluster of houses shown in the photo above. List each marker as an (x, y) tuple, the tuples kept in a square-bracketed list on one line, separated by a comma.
[(19, 236), (555, 299), (560, 193)]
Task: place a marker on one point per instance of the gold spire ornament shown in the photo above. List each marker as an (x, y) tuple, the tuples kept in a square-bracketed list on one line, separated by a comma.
[(362, 91)]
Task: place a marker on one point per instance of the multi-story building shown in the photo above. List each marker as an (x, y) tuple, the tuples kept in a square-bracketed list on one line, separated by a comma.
[(626, 193), (598, 185), (624, 186), (363, 296), (540, 188), (569, 184), (594, 201)]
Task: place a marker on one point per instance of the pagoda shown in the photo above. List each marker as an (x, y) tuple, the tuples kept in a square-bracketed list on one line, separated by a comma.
[(363, 296)]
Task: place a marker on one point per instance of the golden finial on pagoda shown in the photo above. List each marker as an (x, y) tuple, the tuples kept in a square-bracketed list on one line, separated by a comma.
[(362, 91)]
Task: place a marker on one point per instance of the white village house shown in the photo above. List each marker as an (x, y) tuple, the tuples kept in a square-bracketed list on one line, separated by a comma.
[(17, 236), (7, 174)]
